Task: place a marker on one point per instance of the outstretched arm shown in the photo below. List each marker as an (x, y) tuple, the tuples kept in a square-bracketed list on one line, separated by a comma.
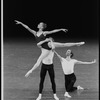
[(54, 31), (58, 55), (25, 26), (56, 44), (81, 62)]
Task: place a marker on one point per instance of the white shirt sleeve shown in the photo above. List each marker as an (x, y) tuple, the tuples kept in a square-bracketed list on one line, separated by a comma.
[(62, 59), (75, 61)]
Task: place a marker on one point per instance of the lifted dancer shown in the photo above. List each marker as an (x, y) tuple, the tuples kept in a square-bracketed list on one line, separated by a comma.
[(40, 36)]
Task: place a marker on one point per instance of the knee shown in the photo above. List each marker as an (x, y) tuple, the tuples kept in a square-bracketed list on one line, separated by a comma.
[(41, 81), (53, 81), (73, 81)]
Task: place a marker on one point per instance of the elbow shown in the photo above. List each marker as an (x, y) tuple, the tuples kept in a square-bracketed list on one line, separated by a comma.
[(38, 44), (27, 27)]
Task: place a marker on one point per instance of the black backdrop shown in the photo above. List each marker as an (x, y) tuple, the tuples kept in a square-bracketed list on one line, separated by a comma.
[(79, 16)]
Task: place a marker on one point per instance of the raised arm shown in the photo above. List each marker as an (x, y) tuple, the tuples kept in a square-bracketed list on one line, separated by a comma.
[(58, 55), (25, 26), (54, 31), (56, 44), (81, 62)]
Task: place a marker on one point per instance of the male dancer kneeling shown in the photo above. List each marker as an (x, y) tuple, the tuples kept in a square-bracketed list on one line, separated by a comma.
[(68, 69)]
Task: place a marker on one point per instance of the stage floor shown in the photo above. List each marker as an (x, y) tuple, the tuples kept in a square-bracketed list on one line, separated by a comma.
[(20, 57)]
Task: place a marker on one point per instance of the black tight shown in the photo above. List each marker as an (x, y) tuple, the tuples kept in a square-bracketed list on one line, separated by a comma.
[(43, 72), (69, 82)]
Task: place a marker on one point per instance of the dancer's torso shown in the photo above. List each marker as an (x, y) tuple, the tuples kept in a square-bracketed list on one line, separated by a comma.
[(68, 66), (49, 59), (40, 38)]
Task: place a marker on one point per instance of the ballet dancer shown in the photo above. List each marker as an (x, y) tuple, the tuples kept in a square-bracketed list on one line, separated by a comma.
[(68, 69), (40, 36)]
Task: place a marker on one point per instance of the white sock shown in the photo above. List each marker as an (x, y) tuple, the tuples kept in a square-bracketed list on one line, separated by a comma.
[(55, 96), (67, 95), (40, 94), (39, 97)]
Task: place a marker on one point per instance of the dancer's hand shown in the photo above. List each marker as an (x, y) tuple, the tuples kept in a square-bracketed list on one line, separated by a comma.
[(18, 22), (29, 72), (80, 43), (65, 30)]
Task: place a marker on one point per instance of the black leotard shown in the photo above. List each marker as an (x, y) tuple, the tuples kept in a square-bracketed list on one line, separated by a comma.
[(45, 44)]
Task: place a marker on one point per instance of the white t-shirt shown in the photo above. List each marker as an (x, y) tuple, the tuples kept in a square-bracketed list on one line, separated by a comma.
[(68, 65)]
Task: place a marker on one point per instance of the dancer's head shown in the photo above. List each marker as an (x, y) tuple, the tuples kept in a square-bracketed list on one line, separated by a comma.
[(52, 43), (69, 53), (41, 25)]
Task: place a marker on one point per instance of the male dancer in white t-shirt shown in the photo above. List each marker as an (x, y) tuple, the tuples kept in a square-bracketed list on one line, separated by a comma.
[(68, 69)]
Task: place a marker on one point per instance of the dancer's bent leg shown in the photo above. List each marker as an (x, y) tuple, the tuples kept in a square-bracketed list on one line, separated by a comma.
[(72, 80)]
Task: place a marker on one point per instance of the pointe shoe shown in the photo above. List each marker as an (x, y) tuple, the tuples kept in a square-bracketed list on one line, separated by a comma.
[(67, 95)]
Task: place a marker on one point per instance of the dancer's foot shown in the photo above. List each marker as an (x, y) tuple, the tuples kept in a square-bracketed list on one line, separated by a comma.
[(39, 97), (67, 95), (79, 87), (55, 97)]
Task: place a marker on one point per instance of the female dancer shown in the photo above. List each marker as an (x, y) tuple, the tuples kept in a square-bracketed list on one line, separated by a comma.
[(40, 36), (68, 69)]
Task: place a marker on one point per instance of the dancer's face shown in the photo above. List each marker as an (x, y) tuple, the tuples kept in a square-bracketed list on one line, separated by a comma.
[(68, 53), (40, 26)]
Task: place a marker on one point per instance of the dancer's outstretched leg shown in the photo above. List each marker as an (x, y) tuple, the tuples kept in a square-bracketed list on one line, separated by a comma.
[(44, 54)]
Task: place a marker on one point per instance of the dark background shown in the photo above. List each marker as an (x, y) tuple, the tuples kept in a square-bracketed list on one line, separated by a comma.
[(79, 16)]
